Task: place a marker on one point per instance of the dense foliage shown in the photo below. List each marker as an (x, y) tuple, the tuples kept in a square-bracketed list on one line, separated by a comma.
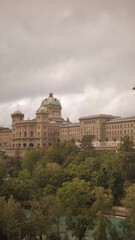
[(63, 183)]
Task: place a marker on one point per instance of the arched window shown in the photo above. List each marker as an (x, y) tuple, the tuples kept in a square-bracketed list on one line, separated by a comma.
[(31, 145)]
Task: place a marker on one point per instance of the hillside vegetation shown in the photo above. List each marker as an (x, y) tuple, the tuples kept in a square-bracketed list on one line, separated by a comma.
[(63, 181)]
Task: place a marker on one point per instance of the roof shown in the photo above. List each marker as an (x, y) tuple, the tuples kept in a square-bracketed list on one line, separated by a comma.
[(120, 119), (50, 101), (17, 112), (98, 116), (42, 109), (65, 125)]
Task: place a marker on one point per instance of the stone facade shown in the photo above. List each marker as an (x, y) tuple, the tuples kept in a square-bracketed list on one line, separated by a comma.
[(5, 138), (107, 130), (49, 127), (37, 133)]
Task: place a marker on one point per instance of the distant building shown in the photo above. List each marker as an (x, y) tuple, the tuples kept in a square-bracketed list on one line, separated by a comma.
[(49, 127), (5, 138), (108, 130)]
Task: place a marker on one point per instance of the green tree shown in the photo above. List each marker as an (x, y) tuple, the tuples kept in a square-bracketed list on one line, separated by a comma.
[(103, 169), (128, 166), (101, 206), (50, 174), (31, 158), (129, 202), (87, 142), (80, 205), (126, 144), (8, 187), (110, 176), (2, 218), (24, 186), (42, 218), (102, 200), (3, 170), (74, 198), (13, 218), (100, 230), (62, 153)]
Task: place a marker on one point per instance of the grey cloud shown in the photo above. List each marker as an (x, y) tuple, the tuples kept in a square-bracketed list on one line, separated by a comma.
[(80, 49)]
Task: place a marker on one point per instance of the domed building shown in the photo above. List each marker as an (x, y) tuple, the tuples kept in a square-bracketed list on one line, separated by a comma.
[(48, 127), (40, 132), (53, 107)]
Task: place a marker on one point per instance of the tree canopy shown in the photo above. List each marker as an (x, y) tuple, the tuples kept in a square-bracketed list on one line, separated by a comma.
[(79, 185)]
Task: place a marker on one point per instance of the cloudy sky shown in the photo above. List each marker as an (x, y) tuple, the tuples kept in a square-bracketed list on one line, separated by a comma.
[(81, 50)]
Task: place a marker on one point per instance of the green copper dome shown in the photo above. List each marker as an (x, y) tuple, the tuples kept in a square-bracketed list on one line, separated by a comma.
[(51, 101), (17, 112), (42, 109)]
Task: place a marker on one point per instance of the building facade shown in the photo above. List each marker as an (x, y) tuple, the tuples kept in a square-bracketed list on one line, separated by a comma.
[(107, 130), (37, 133), (49, 127)]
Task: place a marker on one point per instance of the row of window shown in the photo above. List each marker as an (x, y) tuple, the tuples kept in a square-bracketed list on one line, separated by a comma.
[(78, 129), (23, 128), (70, 130), (126, 131), (23, 145), (89, 128), (119, 126), (30, 145)]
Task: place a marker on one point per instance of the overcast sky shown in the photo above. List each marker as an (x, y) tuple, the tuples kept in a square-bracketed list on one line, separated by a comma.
[(81, 50)]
